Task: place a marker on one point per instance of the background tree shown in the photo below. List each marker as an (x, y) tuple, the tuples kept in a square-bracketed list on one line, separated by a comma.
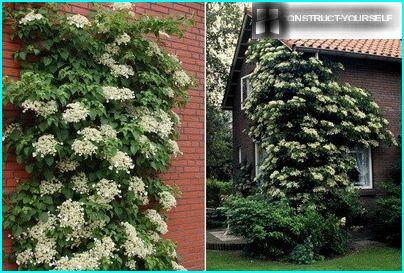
[(223, 24)]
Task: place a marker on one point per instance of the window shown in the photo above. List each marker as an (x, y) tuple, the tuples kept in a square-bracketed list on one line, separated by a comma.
[(245, 88), (259, 158), (363, 158), (240, 159)]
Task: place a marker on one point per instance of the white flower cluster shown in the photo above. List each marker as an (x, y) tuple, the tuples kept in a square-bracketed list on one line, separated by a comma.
[(148, 148), (153, 49), (167, 200), (75, 112), (121, 5), (78, 20), (67, 165), (181, 78), (45, 145), (158, 122), (50, 186), (107, 58), (154, 236), (80, 183), (38, 231), (122, 70), (91, 134), (107, 131), (115, 93), (29, 17), (157, 220), (134, 245), (131, 264), (10, 129), (121, 162), (75, 238), (137, 186), (84, 147), (41, 108), (25, 257), (174, 147), (45, 249), (177, 266), (88, 260), (106, 191), (124, 39), (71, 214)]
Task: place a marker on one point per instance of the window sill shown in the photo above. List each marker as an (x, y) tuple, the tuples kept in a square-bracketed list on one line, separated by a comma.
[(367, 192)]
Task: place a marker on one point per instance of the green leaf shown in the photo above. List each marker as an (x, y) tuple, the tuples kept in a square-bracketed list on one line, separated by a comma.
[(49, 161), (64, 54), (47, 61), (43, 216), (29, 168), (23, 55), (48, 174)]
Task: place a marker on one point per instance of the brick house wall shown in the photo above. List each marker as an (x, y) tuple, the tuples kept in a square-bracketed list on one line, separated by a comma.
[(381, 78), (186, 222)]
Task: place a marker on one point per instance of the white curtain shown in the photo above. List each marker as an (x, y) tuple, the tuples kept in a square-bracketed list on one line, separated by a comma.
[(362, 164)]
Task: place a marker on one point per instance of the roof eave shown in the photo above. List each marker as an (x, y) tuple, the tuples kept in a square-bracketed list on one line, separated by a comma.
[(341, 53), (225, 106)]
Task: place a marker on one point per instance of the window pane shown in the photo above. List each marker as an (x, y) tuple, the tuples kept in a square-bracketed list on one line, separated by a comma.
[(260, 156), (362, 166), (245, 88)]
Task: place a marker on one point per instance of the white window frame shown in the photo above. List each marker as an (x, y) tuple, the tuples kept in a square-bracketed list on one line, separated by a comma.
[(240, 159), (241, 89), (256, 167), (370, 186)]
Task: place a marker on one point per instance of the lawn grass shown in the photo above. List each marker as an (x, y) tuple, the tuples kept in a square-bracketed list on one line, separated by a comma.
[(370, 258)]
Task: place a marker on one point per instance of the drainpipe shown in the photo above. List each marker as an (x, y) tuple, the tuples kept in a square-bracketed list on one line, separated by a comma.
[(316, 54)]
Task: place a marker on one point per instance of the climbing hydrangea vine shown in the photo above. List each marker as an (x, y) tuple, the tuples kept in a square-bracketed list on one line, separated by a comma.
[(95, 128), (306, 123)]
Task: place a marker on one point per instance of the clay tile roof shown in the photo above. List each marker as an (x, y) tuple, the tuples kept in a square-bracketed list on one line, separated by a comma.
[(386, 47)]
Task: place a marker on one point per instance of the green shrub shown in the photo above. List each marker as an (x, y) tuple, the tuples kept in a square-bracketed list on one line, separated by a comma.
[(216, 190), (274, 230), (215, 218), (388, 212), (304, 253), (243, 180)]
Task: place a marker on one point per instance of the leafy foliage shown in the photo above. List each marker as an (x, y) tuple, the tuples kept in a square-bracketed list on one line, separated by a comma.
[(216, 191), (388, 208), (243, 181), (273, 230), (95, 128), (306, 122)]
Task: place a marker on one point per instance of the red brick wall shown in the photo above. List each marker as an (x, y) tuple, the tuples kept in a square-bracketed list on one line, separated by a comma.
[(383, 81), (186, 221)]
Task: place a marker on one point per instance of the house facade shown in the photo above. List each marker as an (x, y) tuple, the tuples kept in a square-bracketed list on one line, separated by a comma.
[(186, 220), (374, 65)]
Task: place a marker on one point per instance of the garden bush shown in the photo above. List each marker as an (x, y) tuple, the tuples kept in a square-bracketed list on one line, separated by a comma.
[(274, 231), (216, 191), (243, 181), (95, 128), (389, 213)]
